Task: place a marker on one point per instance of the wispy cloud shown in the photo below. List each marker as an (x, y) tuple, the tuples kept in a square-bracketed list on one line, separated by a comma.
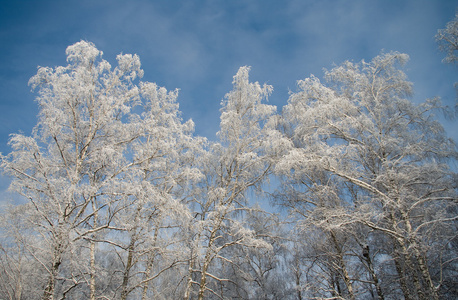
[(197, 46)]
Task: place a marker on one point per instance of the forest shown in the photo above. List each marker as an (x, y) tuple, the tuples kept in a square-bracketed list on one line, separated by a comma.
[(348, 192)]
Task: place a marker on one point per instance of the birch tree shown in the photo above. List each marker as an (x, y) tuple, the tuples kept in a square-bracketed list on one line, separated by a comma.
[(76, 149), (242, 160), (160, 183), (447, 39), (106, 154), (362, 131)]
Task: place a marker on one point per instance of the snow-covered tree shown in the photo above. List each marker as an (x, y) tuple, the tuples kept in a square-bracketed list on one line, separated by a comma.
[(243, 159), (448, 40), (122, 201), (160, 181), (67, 169), (364, 154), (260, 272), (106, 160)]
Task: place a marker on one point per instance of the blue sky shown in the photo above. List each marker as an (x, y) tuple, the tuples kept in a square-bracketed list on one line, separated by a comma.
[(198, 45)]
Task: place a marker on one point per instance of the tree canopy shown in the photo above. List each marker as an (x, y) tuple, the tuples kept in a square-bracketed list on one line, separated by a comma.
[(124, 201)]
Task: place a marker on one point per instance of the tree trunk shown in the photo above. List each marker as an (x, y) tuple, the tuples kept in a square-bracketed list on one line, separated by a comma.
[(421, 262), (194, 252), (402, 262), (48, 293), (209, 256), (367, 257), (187, 292), (149, 266), (297, 274), (92, 252), (431, 292), (407, 262), (400, 269), (343, 268), (428, 292), (92, 278), (207, 261), (203, 278), (129, 264), (130, 255)]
